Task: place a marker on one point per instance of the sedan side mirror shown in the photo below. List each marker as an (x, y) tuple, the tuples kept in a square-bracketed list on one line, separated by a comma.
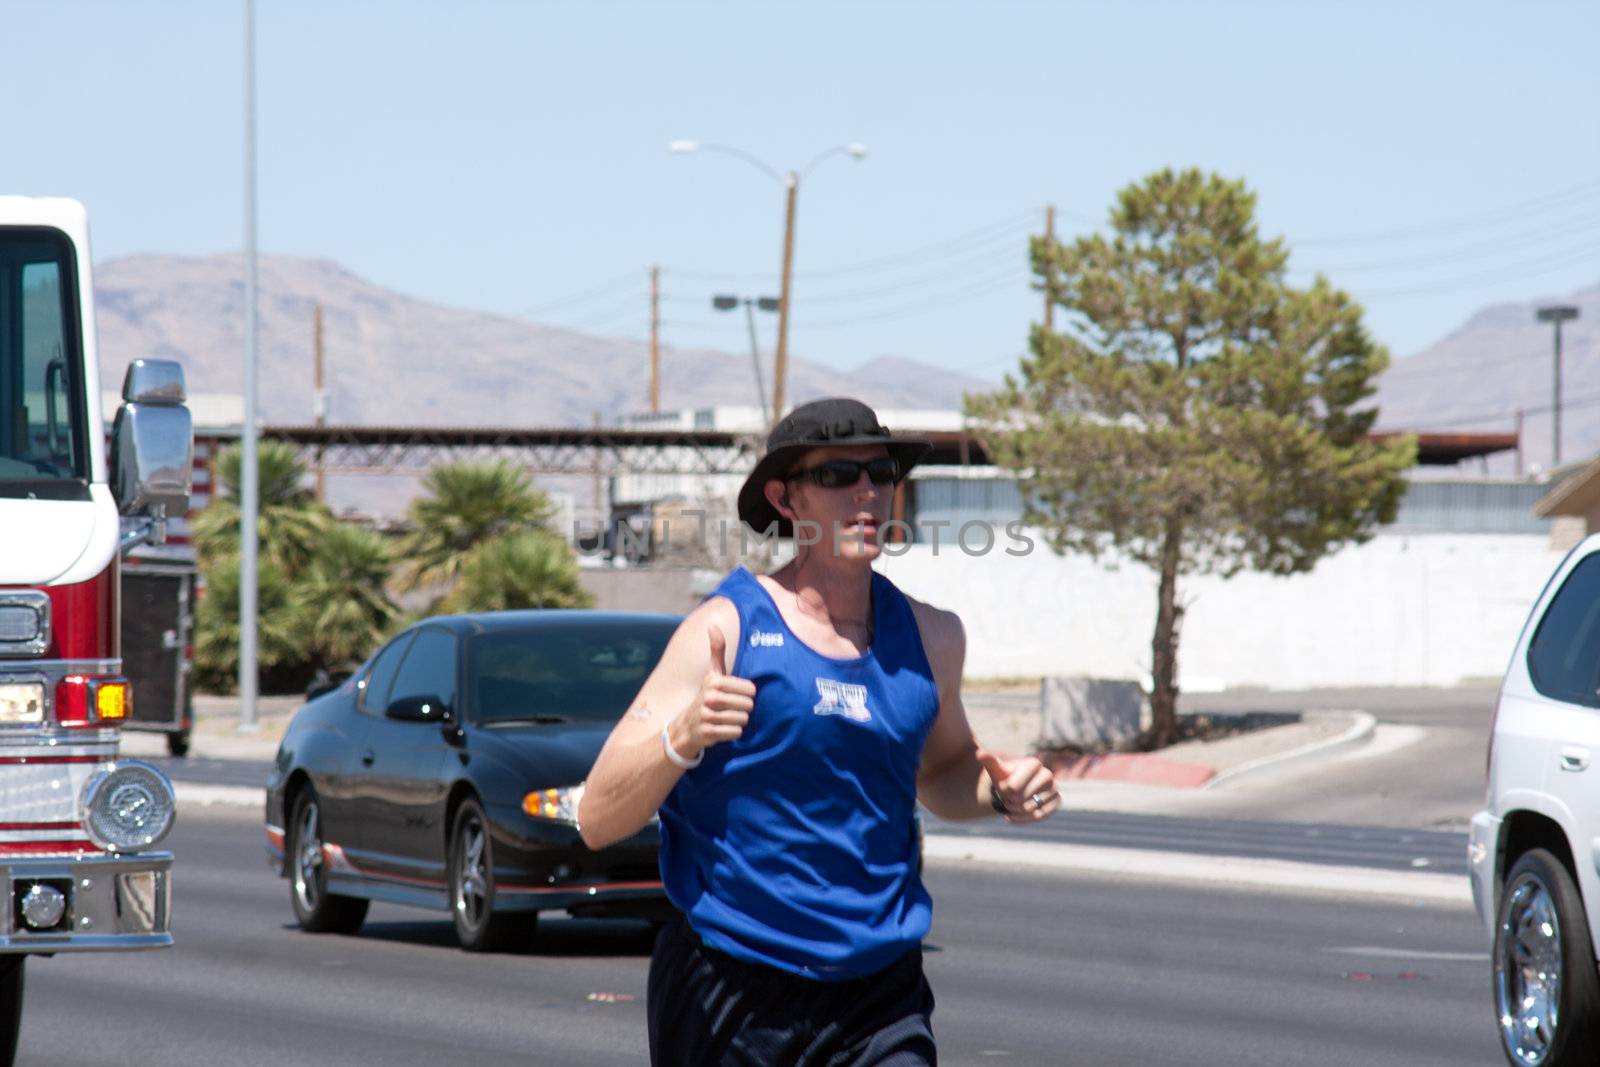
[(424, 708)]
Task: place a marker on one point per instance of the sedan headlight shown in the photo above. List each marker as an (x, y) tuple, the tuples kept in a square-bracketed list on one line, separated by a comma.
[(127, 807), (556, 805)]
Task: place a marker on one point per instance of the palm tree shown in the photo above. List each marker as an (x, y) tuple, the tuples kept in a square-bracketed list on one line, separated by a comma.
[(344, 607), (278, 625), (466, 505), (528, 570), (289, 522)]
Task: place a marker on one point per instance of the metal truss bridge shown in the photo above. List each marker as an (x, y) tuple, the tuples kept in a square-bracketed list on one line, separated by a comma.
[(617, 449)]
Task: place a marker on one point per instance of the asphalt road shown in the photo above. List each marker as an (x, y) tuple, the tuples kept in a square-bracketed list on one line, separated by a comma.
[(1027, 969), (1434, 783), (1388, 848)]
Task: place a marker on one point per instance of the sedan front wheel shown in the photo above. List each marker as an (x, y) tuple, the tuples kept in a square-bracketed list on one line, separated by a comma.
[(318, 910), (1546, 990), (479, 927)]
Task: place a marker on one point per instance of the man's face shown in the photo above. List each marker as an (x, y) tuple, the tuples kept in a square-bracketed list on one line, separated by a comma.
[(857, 508)]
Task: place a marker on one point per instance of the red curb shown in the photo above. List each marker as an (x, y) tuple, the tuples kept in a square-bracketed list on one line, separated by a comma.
[(1139, 767)]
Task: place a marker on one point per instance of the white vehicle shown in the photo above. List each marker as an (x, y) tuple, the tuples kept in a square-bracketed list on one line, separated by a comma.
[(1533, 851), (77, 825)]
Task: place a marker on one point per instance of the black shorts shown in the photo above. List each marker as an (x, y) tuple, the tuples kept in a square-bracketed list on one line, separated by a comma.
[(708, 1008)]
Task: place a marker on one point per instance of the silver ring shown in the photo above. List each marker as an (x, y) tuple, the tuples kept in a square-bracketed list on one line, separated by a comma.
[(1039, 799)]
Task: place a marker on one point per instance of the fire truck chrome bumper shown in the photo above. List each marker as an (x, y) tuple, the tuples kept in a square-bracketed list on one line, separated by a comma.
[(110, 904)]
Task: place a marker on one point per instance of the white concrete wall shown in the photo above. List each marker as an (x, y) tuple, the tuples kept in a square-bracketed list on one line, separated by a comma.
[(1400, 610)]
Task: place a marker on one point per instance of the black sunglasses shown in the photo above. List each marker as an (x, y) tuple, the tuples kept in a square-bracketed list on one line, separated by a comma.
[(884, 470)]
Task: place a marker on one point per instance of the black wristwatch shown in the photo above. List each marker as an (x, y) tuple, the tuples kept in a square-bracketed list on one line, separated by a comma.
[(996, 801)]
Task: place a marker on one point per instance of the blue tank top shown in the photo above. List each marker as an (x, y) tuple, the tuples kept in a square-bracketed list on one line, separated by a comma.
[(795, 846)]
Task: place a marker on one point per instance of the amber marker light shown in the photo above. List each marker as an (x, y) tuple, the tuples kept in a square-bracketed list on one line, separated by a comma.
[(113, 700)]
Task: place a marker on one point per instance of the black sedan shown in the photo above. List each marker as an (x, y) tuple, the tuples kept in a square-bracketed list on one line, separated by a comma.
[(446, 773)]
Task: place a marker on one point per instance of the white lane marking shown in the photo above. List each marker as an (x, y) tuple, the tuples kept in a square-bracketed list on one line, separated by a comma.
[(1445, 889), (1408, 953), (1387, 738)]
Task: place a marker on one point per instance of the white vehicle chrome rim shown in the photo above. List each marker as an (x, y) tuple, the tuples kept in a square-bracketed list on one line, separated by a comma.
[(1528, 971)]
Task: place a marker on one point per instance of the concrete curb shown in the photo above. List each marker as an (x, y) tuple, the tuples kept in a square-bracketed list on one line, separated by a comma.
[(1432, 888), (1359, 733), (1441, 889)]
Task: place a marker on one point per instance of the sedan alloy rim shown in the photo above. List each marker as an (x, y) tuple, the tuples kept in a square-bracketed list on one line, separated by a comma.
[(1528, 972), (308, 858), (472, 885)]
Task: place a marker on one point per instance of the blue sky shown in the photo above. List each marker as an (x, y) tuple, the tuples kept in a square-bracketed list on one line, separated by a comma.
[(511, 157)]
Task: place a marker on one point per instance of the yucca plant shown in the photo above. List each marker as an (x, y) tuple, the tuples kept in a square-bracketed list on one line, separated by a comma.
[(464, 506), (344, 605), (527, 570), (289, 524), (278, 625)]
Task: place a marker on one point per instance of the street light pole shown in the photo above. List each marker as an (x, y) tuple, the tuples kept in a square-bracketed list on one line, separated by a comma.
[(755, 355), (780, 359), (249, 475), (727, 302), (1557, 314)]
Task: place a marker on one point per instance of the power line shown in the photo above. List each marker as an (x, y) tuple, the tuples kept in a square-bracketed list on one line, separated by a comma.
[(1404, 373), (584, 296), (1587, 400), (1506, 271), (1491, 217), (982, 288), (1480, 250), (1008, 227)]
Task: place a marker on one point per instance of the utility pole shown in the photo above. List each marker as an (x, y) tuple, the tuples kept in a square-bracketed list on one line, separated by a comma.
[(655, 340), (1557, 314), (780, 361), (594, 487), (1050, 239), (791, 184), (1519, 442), (319, 397)]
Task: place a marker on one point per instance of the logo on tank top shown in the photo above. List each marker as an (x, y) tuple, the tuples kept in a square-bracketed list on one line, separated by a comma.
[(759, 639), (842, 698)]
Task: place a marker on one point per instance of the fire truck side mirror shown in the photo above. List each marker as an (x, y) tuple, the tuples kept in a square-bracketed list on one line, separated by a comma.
[(152, 441)]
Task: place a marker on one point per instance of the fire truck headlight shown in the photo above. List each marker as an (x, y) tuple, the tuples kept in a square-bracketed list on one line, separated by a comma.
[(127, 807), (22, 702)]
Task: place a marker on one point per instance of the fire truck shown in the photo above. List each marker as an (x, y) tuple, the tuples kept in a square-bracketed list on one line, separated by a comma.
[(78, 826)]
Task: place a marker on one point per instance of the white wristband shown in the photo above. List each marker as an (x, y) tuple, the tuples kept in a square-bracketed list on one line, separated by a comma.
[(672, 753)]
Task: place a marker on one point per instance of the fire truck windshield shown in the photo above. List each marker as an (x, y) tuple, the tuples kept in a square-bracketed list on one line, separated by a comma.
[(43, 434)]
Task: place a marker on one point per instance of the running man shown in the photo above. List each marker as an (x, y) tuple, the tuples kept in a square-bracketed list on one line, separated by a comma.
[(785, 738)]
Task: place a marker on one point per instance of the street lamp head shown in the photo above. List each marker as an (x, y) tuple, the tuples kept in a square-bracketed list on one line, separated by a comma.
[(1557, 313), (723, 302), (683, 147), (856, 150), (767, 303)]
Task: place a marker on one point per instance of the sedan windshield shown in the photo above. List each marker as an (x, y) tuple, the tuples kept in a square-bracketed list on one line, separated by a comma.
[(42, 431), (582, 672)]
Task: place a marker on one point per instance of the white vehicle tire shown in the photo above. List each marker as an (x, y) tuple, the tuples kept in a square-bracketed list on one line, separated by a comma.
[(1546, 989)]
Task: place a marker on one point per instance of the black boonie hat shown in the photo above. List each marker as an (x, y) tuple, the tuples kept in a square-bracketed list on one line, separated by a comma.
[(831, 422)]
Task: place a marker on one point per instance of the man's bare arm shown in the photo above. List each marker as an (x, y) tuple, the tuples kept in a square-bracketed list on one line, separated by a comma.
[(689, 693), (956, 774)]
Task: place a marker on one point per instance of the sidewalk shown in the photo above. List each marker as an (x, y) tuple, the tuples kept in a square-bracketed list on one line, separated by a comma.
[(1007, 722), (216, 730)]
